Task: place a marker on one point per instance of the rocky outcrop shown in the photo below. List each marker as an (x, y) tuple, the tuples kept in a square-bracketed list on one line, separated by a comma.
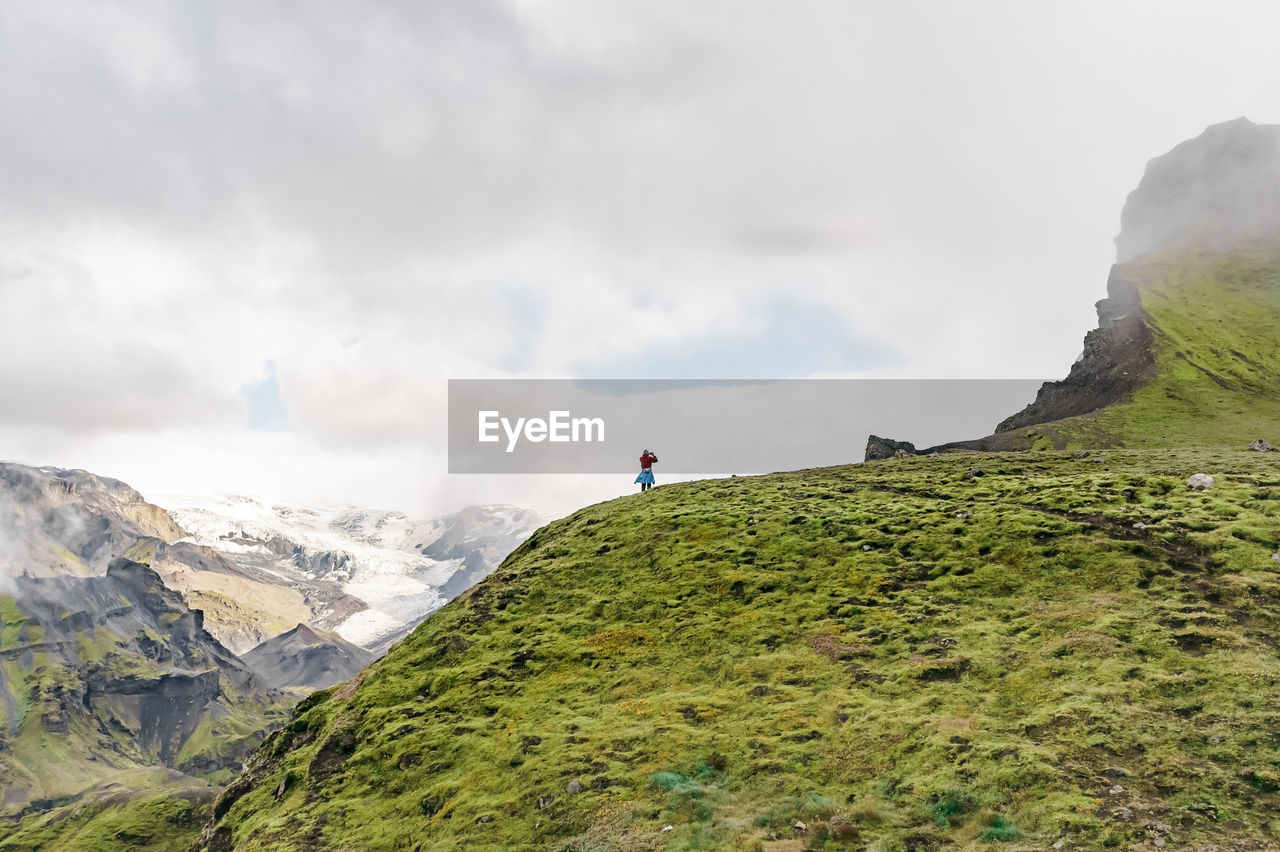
[(1118, 358), (886, 448)]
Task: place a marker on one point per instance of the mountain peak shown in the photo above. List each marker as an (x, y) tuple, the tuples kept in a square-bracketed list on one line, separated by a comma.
[(1218, 190)]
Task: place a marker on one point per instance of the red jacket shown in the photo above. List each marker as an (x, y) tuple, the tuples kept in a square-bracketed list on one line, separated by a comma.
[(647, 460)]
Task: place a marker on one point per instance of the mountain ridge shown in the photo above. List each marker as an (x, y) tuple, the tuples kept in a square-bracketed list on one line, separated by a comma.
[(307, 657)]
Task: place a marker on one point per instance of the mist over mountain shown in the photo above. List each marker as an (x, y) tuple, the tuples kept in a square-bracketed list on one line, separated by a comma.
[(1184, 352), (58, 522), (1216, 191)]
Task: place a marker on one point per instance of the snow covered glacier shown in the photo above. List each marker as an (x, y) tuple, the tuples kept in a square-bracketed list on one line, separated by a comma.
[(398, 568)]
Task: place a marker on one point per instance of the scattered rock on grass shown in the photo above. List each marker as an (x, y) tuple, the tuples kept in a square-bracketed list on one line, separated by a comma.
[(1206, 810), (574, 788), (1262, 446), (1200, 481)]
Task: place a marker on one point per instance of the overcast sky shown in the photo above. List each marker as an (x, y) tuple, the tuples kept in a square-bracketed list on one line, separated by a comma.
[(243, 245)]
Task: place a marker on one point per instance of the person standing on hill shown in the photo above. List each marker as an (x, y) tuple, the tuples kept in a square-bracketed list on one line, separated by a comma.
[(646, 470)]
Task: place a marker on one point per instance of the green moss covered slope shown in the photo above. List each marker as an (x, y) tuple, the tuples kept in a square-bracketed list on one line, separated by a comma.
[(952, 652)]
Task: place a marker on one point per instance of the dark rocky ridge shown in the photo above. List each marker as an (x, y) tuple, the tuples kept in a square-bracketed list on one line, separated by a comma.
[(1117, 359), (887, 448), (123, 672), (306, 657)]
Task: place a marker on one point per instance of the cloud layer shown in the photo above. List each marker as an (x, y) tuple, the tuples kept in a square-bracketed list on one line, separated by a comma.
[(375, 199)]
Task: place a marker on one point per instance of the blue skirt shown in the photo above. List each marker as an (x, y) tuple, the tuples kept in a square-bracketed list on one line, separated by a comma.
[(645, 477)]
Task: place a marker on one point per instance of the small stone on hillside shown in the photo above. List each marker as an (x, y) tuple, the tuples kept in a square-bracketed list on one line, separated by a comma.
[(964, 516), (974, 473), (1205, 810), (866, 547), (574, 788), (1262, 446), (1139, 526), (1275, 557), (1200, 481), (1116, 790)]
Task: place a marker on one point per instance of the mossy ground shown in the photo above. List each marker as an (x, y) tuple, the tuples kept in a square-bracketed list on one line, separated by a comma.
[(151, 810), (899, 655)]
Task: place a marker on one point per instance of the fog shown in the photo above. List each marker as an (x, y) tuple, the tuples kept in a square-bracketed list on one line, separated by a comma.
[(244, 246)]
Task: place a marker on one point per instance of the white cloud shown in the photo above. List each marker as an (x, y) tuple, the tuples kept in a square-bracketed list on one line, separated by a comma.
[(380, 198)]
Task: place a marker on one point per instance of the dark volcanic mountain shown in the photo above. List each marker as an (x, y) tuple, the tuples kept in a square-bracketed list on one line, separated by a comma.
[(110, 673), (307, 657)]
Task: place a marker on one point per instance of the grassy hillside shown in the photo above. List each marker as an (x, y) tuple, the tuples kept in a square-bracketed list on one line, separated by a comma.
[(1000, 651), (1214, 317), (155, 810)]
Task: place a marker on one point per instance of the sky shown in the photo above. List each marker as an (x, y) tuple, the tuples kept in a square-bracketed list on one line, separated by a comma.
[(245, 245)]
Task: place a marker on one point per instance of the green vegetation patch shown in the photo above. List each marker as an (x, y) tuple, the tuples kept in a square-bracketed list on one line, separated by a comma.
[(897, 655)]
